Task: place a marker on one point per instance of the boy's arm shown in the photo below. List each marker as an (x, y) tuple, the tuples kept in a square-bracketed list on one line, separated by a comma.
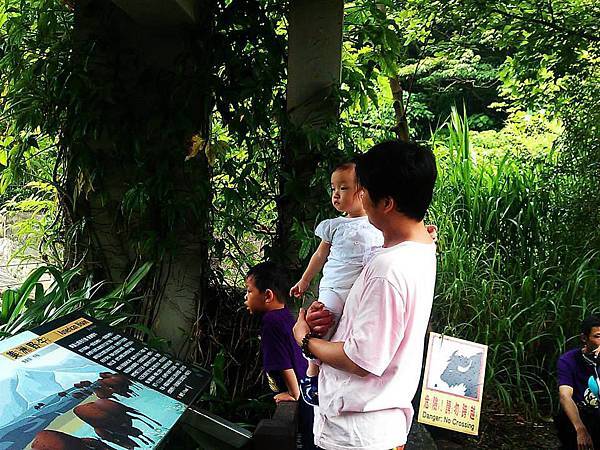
[(316, 263), (584, 439), (291, 382)]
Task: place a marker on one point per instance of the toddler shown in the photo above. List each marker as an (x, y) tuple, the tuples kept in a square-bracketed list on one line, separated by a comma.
[(346, 243)]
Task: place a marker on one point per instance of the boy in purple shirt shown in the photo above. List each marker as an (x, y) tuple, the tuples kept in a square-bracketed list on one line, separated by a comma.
[(578, 423), (283, 362)]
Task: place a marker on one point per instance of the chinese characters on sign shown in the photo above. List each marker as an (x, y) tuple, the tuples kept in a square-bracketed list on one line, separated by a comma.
[(46, 339)]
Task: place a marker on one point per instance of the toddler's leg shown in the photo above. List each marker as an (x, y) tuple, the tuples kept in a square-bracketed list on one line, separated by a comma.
[(313, 369), (334, 303), (309, 386)]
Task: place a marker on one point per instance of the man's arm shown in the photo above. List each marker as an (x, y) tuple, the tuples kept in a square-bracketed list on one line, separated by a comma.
[(331, 353), (319, 319), (584, 439)]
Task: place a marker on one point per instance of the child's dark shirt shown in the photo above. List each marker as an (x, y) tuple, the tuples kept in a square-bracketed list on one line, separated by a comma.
[(279, 349)]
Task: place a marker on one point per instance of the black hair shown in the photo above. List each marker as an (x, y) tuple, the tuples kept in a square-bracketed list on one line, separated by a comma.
[(404, 171), (267, 275), (588, 323)]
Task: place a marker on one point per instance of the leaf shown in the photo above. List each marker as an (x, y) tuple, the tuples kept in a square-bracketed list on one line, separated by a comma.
[(197, 143)]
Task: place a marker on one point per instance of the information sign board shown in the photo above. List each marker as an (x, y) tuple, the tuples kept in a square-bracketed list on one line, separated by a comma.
[(75, 383)]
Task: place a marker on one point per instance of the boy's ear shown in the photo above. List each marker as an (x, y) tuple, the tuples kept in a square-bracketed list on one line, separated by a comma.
[(269, 296)]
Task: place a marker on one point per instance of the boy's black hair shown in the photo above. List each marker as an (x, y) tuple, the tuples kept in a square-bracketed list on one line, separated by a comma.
[(404, 171), (588, 323), (267, 275)]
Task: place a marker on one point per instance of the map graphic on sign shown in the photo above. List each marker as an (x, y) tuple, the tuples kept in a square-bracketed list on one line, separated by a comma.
[(453, 384)]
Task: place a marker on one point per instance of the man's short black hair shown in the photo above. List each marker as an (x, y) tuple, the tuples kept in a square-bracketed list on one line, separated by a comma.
[(404, 171), (589, 323), (267, 275)]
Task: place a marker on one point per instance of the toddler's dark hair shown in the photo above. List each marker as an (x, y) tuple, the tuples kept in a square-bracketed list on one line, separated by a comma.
[(344, 166)]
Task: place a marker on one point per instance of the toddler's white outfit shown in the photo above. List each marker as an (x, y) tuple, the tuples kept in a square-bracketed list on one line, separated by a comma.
[(353, 241)]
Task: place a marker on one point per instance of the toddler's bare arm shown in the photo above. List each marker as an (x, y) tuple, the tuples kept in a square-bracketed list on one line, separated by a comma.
[(317, 261)]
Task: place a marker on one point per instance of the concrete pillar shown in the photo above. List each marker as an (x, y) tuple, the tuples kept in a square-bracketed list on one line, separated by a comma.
[(315, 59), (314, 66)]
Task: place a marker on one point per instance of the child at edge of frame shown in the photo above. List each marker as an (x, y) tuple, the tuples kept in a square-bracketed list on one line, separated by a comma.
[(283, 362)]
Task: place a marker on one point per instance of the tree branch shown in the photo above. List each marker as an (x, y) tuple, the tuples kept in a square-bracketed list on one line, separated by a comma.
[(545, 23)]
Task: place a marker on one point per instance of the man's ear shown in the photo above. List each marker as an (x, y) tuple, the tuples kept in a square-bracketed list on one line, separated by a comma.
[(389, 204), (269, 296)]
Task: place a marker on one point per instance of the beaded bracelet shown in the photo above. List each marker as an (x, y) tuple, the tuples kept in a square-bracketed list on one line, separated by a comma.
[(304, 346)]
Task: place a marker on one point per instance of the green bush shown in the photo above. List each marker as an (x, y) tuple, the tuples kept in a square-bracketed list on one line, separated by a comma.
[(31, 304), (509, 275)]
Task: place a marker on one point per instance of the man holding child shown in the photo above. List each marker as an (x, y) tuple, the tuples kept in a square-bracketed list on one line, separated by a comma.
[(370, 367)]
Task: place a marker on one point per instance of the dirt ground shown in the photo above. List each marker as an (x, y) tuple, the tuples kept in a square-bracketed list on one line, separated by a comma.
[(499, 430)]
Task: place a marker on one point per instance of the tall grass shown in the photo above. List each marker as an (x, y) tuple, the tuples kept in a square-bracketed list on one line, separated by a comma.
[(510, 276)]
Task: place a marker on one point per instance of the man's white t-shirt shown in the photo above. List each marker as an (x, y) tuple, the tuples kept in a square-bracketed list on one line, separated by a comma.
[(383, 328)]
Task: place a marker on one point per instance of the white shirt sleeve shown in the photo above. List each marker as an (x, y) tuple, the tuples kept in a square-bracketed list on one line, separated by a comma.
[(324, 231), (378, 329)]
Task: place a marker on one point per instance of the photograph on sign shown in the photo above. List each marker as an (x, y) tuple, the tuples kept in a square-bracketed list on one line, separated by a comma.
[(453, 384), (456, 367), (55, 399)]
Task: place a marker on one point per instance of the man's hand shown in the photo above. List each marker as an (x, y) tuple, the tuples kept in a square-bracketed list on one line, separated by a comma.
[(584, 440), (301, 328), (318, 318), (299, 288), (284, 397)]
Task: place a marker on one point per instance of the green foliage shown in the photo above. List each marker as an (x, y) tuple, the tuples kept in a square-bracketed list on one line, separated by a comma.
[(32, 304), (578, 199), (437, 64), (508, 275), (246, 412), (34, 212)]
